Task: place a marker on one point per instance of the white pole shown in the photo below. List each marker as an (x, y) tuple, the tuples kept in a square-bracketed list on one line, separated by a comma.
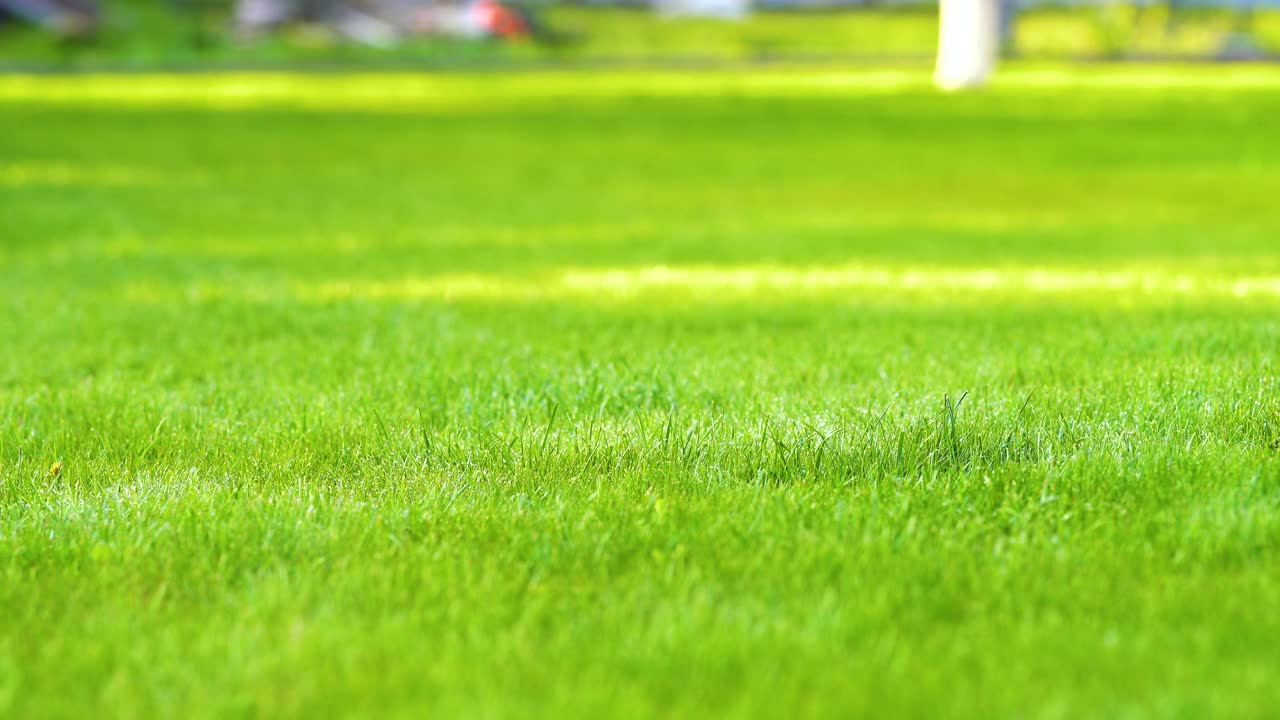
[(968, 39)]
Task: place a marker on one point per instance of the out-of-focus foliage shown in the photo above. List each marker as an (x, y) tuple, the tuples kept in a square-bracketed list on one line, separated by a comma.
[(140, 35)]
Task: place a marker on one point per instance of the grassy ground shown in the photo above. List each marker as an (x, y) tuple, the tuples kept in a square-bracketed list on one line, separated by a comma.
[(789, 393)]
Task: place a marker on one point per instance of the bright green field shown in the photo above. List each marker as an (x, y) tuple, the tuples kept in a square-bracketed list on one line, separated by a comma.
[(774, 393)]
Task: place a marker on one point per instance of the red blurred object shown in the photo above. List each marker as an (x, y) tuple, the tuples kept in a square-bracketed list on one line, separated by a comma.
[(501, 21)]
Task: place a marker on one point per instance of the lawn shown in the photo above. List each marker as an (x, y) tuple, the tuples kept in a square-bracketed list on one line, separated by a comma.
[(762, 393)]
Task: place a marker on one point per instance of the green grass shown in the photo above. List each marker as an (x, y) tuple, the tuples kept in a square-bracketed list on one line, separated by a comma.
[(789, 393)]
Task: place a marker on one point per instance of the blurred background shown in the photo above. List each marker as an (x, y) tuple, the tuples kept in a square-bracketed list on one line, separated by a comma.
[(159, 34)]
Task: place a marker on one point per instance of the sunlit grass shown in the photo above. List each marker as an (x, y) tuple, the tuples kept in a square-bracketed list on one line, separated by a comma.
[(777, 284), (790, 393), (413, 92), (64, 175)]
